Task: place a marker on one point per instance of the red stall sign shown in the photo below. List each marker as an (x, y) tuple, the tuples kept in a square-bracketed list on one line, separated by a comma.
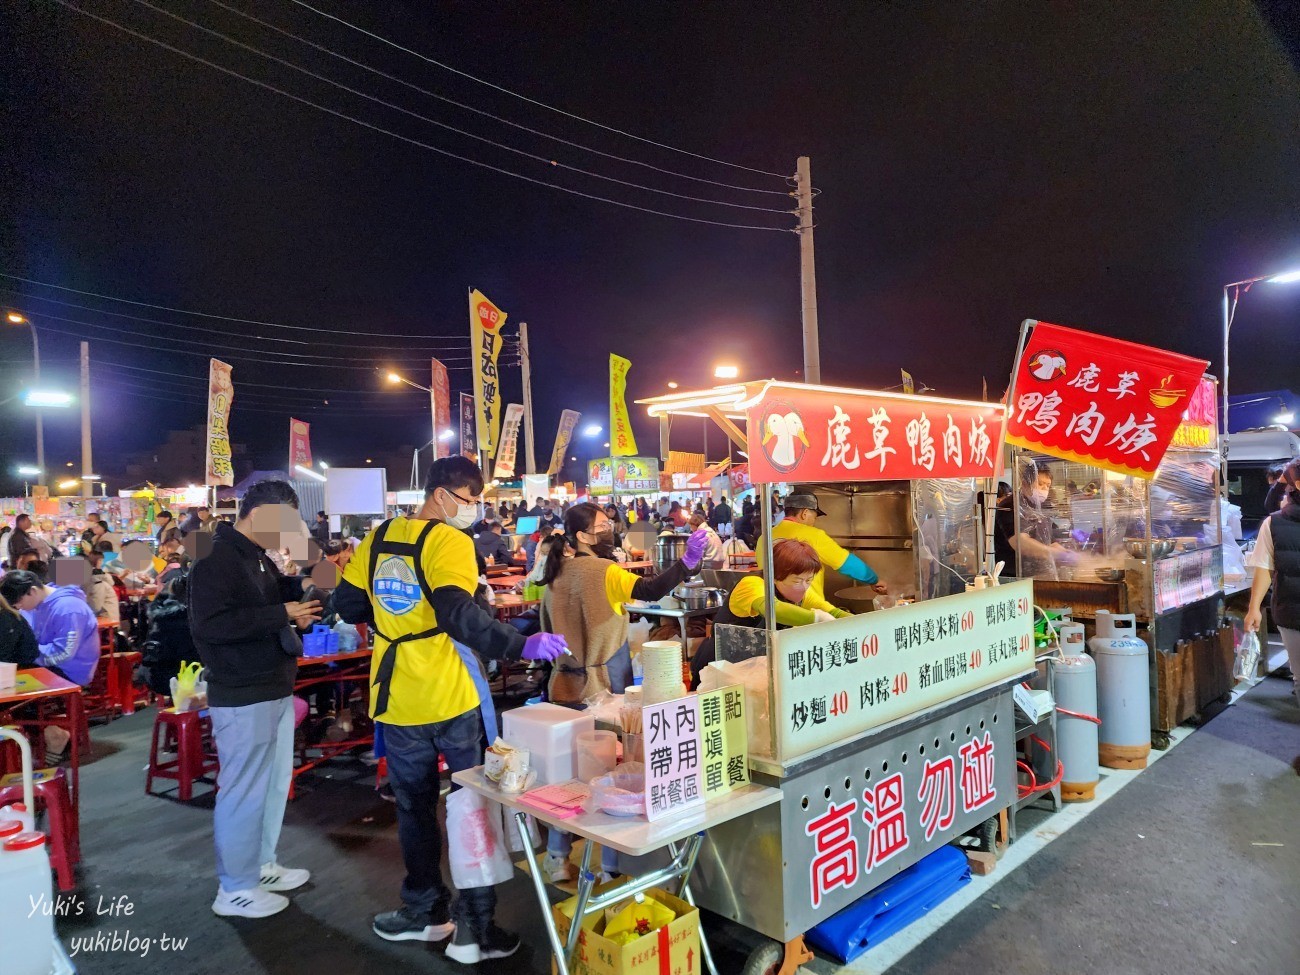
[(1099, 400), (815, 434)]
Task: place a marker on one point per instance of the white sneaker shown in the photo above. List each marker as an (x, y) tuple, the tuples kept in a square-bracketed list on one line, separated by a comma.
[(248, 903), (557, 868), (276, 877)]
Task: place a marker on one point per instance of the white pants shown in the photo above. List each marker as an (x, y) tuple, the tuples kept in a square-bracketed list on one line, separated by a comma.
[(255, 746)]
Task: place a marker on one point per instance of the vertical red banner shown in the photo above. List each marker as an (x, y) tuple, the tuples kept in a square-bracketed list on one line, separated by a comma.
[(299, 443), (441, 394)]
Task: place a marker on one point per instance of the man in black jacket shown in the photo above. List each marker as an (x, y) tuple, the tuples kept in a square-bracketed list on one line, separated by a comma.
[(242, 617)]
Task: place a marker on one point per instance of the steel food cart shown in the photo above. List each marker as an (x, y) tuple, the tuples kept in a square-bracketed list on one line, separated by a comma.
[(892, 732)]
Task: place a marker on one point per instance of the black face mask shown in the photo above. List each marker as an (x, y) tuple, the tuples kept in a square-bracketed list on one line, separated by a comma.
[(604, 546)]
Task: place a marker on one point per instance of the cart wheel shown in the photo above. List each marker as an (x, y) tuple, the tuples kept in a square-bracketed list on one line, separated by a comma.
[(765, 959), (1160, 740)]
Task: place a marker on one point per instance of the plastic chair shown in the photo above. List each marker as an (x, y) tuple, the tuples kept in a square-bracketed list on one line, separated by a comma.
[(50, 790), (188, 734)]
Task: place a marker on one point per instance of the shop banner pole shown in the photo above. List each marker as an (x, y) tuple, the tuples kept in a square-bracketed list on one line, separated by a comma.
[(990, 557)]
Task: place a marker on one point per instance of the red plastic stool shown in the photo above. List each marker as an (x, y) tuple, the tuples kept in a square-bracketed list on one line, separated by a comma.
[(50, 789), (189, 735)]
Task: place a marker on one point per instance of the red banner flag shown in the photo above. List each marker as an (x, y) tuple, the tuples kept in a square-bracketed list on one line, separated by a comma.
[(441, 394), (1099, 400), (299, 443)]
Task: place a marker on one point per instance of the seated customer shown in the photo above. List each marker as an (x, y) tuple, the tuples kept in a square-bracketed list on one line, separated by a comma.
[(17, 641), (795, 564), (100, 592), (168, 644), (490, 544), (65, 627)]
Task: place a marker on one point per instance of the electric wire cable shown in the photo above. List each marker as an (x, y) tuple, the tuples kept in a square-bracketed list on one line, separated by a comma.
[(236, 356), (485, 114), (200, 314), (532, 101), (451, 128), (407, 139), (242, 383), (208, 345), (201, 328)]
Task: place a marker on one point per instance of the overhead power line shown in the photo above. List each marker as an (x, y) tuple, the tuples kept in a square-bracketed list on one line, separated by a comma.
[(407, 139), (236, 356), (200, 314), (451, 128), (533, 101), (496, 118), (285, 410), (282, 357), (414, 343)]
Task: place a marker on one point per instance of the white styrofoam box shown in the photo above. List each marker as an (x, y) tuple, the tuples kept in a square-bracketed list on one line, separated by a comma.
[(550, 734)]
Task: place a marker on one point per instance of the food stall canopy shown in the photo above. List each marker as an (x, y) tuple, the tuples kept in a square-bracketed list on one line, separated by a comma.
[(822, 434)]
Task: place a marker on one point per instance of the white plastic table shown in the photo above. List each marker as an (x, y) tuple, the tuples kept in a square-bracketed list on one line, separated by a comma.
[(633, 836)]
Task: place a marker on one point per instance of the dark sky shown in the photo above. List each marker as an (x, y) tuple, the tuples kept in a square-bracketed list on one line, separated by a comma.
[(1098, 164)]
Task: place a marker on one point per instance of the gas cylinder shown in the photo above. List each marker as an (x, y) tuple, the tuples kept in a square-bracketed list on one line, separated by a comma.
[(1123, 691), (1074, 687)]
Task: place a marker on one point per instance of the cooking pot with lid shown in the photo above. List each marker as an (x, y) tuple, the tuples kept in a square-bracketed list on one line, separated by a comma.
[(699, 597)]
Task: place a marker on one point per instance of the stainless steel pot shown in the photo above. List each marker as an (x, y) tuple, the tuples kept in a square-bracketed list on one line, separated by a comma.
[(668, 549), (699, 597)]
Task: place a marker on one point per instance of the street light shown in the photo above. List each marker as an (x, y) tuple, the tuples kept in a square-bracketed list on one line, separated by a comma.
[(16, 318), (51, 398), (1229, 313), (64, 485), (592, 430), (433, 400), (726, 372), (446, 434), (28, 471)]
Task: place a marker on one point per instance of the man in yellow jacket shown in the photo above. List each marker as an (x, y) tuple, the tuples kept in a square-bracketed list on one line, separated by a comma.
[(413, 581), (800, 523)]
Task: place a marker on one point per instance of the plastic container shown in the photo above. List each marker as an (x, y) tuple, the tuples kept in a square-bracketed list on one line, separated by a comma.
[(551, 734), (319, 641), (597, 753), (17, 812), (26, 934), (620, 792)]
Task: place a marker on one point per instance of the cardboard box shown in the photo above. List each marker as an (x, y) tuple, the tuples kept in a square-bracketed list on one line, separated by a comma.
[(672, 950)]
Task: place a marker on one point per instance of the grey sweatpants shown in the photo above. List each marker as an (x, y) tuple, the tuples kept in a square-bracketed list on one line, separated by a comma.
[(255, 746)]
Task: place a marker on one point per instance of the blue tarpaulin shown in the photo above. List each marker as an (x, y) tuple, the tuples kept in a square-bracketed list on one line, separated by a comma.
[(893, 905)]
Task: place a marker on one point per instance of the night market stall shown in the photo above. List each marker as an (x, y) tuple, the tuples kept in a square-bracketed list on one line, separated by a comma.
[(892, 732), (1122, 441)]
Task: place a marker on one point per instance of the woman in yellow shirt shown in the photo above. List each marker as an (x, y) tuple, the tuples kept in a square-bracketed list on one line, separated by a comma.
[(798, 602)]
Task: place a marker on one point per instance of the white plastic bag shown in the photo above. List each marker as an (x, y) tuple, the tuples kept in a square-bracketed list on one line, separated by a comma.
[(1247, 657), (475, 841)]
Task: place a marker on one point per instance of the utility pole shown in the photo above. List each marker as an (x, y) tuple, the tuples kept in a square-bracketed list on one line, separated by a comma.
[(530, 461), (87, 485), (812, 368), (40, 422)]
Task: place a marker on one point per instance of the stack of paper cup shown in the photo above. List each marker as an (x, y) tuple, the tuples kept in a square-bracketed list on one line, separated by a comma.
[(662, 666)]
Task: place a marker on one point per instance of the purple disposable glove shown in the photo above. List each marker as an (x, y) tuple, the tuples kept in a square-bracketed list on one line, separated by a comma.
[(545, 646), (695, 546)]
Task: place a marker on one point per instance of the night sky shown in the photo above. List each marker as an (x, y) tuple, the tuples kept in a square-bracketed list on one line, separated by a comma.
[(1104, 165)]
